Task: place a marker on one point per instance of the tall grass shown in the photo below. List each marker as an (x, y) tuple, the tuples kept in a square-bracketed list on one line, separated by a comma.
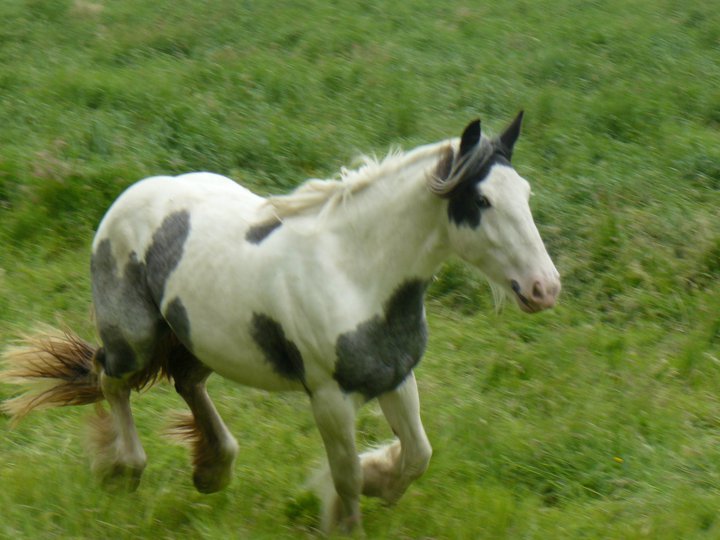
[(598, 420)]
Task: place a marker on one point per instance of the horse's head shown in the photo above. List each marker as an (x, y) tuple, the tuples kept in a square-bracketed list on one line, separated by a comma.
[(489, 218)]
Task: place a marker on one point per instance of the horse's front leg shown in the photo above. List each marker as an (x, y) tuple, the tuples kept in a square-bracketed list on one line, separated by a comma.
[(335, 417), (388, 471)]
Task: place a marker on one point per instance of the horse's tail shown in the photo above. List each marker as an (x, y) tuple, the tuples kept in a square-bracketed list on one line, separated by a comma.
[(54, 369)]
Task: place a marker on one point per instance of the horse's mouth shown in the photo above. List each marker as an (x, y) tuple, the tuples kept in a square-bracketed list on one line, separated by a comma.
[(525, 304)]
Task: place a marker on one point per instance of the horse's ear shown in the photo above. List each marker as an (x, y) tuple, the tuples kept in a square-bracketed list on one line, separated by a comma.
[(470, 137), (511, 134)]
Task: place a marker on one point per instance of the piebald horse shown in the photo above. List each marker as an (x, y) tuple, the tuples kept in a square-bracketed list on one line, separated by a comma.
[(320, 291)]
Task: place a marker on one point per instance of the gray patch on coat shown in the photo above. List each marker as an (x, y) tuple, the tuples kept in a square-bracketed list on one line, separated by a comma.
[(377, 356), (119, 357), (127, 317), (257, 233), (177, 317), (281, 353), (166, 250)]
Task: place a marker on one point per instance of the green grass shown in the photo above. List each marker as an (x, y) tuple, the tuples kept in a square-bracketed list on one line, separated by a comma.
[(598, 420)]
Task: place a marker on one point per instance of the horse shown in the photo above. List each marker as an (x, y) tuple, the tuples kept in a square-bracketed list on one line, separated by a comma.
[(319, 291)]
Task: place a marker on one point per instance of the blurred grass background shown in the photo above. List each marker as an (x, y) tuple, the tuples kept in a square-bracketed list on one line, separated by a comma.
[(597, 420)]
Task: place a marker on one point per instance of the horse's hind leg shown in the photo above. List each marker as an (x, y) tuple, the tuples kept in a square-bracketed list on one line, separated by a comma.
[(129, 360), (132, 331), (213, 446), (118, 456)]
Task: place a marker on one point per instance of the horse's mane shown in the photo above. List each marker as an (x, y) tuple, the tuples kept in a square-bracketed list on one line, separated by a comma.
[(324, 195)]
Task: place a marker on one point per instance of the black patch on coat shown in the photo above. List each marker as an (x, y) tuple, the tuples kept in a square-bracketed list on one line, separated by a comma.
[(119, 358), (177, 317), (377, 356), (127, 317), (281, 353), (166, 250), (257, 233)]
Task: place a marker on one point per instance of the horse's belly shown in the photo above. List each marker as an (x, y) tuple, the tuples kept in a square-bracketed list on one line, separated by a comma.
[(248, 370), (250, 354)]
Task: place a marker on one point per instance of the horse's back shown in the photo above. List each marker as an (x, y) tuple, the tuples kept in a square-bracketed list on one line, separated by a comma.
[(146, 204)]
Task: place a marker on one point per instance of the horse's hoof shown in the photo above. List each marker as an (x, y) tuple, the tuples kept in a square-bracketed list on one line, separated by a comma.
[(351, 527), (121, 478), (210, 481)]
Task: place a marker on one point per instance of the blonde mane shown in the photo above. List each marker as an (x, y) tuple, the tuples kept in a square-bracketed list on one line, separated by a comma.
[(325, 195)]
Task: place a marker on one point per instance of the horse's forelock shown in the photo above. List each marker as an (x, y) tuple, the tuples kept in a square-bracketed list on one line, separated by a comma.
[(444, 165), (454, 170)]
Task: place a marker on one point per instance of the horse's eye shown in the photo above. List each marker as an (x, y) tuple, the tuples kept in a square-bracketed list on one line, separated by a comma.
[(482, 202)]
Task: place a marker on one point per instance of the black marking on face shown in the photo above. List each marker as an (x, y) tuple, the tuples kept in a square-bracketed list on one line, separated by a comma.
[(127, 317), (281, 353), (257, 233), (466, 205), (166, 250), (379, 354), (177, 317), (473, 164)]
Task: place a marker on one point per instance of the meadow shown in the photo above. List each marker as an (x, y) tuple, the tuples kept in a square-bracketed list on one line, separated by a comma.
[(597, 420)]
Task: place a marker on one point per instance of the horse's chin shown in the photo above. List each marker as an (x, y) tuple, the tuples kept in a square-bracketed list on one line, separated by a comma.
[(526, 307)]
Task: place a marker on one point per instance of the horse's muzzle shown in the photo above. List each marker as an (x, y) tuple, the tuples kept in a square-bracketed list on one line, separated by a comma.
[(540, 295)]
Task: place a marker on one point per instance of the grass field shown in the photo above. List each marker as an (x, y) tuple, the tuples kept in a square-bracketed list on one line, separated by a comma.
[(598, 420)]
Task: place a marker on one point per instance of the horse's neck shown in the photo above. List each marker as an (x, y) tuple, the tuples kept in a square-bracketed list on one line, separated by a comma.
[(395, 229)]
